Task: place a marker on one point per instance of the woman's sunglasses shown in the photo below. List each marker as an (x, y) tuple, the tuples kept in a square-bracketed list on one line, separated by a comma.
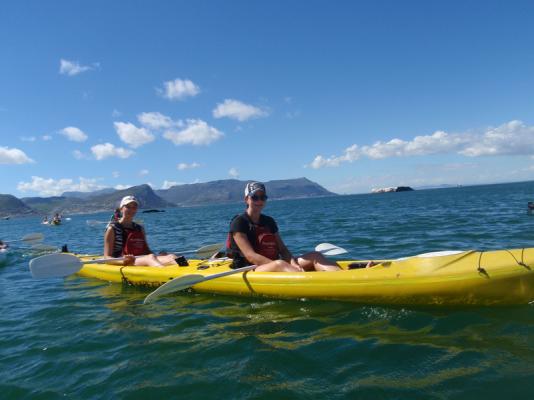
[(256, 197)]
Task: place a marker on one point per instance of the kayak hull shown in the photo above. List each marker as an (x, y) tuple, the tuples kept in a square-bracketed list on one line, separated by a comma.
[(465, 278)]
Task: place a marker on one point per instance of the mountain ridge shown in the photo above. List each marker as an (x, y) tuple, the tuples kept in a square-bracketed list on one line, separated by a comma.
[(207, 193)]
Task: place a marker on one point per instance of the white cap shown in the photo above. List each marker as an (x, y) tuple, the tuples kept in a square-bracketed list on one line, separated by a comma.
[(253, 187), (127, 200)]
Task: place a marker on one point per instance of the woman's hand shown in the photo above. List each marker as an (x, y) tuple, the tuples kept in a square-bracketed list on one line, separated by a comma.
[(129, 259), (294, 263)]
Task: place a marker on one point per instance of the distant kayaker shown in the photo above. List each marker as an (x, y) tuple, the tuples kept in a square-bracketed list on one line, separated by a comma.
[(57, 219), (254, 239), (125, 238), (3, 245)]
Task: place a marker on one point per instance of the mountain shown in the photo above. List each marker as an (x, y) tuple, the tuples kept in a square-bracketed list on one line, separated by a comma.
[(97, 202), (10, 205), (55, 204), (232, 190), (216, 192), (143, 193), (86, 195)]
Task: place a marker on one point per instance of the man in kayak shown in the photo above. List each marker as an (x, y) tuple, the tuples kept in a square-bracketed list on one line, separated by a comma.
[(254, 240), (125, 238)]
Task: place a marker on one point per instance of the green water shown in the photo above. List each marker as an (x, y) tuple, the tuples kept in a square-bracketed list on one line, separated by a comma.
[(80, 338)]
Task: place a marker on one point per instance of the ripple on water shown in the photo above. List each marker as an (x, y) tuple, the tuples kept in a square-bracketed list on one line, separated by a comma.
[(81, 338)]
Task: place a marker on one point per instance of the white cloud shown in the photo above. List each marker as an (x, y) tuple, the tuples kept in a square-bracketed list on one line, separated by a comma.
[(143, 172), (179, 89), (122, 187), (156, 120), (196, 132), (233, 172), (116, 113), (183, 166), (352, 153), (55, 187), (511, 138), (237, 110), (13, 156), (168, 184), (72, 68), (46, 137), (28, 138), (79, 155), (101, 151), (73, 134), (115, 174), (132, 135)]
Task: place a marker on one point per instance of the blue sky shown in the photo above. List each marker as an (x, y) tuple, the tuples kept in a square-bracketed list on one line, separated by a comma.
[(352, 95)]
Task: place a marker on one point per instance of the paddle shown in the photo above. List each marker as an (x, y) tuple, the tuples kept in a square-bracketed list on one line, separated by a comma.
[(44, 247), (31, 237), (62, 264), (93, 222), (329, 249), (186, 281)]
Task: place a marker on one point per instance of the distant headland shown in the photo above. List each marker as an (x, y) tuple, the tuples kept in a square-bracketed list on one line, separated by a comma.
[(392, 189), (215, 192)]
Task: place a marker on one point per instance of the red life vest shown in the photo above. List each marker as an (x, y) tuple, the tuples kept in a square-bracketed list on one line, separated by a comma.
[(262, 240), (266, 244), (135, 243)]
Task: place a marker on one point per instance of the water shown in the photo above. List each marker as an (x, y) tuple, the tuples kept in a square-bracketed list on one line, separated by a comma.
[(80, 338)]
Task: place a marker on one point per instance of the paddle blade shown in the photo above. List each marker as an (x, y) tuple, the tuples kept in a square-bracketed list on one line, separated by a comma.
[(209, 250), (32, 237), (54, 265), (93, 222), (174, 286), (329, 249), (335, 252), (43, 247)]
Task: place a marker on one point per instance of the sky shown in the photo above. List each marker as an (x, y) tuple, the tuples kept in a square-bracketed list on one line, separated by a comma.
[(353, 95)]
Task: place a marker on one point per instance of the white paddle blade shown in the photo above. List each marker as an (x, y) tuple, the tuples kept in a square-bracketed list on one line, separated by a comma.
[(186, 281), (174, 286), (329, 249), (334, 252), (93, 222), (209, 250), (33, 237), (54, 265), (43, 247)]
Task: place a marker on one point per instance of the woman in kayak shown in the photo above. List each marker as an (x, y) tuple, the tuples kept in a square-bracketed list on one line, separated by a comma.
[(254, 239), (125, 238)]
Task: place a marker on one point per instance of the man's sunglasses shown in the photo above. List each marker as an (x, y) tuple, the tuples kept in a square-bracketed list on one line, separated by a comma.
[(256, 197)]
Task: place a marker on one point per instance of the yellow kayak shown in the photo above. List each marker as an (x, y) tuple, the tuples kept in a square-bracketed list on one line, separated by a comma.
[(444, 278)]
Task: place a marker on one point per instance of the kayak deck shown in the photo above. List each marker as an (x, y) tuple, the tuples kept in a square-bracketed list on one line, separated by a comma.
[(470, 277)]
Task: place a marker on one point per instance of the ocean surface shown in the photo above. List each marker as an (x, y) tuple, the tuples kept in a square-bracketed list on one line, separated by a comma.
[(78, 338)]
